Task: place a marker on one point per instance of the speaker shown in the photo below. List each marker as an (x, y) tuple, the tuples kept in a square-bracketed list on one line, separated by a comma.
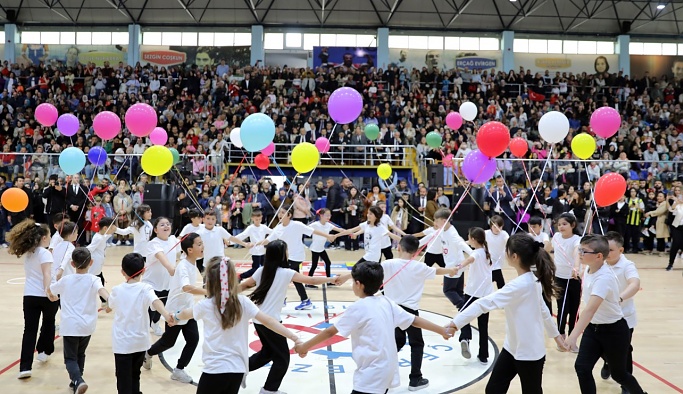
[(11, 15), (625, 27), (161, 198), (469, 211), (435, 175)]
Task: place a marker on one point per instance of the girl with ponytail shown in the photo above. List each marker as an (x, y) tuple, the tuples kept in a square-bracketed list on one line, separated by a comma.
[(526, 316)]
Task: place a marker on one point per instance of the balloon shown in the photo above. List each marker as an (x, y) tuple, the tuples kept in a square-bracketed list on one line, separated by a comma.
[(141, 119), (583, 146), (609, 189), (268, 150), (262, 161), (157, 160), (345, 105), (605, 121), (46, 114), (107, 125), (493, 139), (305, 157), (478, 168), (14, 199), (468, 111), (519, 147), (323, 144), (433, 139), (553, 126), (158, 136), (257, 131), (454, 120), (68, 124), (372, 132), (235, 137), (176, 155), (72, 160), (384, 171), (97, 155)]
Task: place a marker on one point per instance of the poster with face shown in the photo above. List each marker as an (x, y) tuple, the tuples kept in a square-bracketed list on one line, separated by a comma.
[(443, 60), (656, 66), (70, 55), (239, 56), (591, 64), (344, 57)]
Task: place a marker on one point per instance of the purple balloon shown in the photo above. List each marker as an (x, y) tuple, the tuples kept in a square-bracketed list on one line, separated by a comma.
[(68, 124), (478, 168), (97, 155), (345, 105)]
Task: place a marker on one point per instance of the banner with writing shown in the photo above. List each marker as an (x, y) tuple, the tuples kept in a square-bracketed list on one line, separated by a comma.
[(444, 60), (201, 56), (70, 55)]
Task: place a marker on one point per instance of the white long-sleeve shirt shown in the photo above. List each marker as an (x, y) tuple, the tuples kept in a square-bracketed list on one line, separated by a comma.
[(140, 236)]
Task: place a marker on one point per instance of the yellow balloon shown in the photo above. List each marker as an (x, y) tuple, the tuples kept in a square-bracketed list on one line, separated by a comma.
[(583, 146), (384, 171), (157, 160), (305, 157)]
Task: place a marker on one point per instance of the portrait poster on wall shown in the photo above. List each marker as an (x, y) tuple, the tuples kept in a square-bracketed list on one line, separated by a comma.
[(591, 64), (656, 66), (166, 56), (444, 60), (344, 57), (70, 55)]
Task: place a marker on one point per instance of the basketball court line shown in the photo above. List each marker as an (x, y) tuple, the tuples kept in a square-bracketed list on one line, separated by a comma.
[(330, 362)]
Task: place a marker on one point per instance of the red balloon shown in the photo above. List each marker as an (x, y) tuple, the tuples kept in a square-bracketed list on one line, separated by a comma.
[(493, 138), (609, 189), (262, 161), (519, 147)]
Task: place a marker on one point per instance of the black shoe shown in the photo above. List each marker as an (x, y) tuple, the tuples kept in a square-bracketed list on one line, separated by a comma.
[(624, 391), (311, 286), (604, 371), (483, 361), (669, 267), (418, 384)]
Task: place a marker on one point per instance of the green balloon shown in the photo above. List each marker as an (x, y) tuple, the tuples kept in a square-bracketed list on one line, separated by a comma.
[(433, 139), (176, 155), (372, 132)]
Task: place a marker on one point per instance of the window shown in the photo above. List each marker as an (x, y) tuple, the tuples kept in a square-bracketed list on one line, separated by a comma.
[(555, 46), (189, 39), (418, 42), (652, 48), (587, 47), (669, 49), (311, 40), (151, 38), (605, 48), (571, 47), (365, 40), (85, 38), (223, 39), (205, 39), (242, 39), (30, 37), (67, 38), (538, 46), (101, 38), (400, 42), (171, 38), (489, 44), (452, 43), (635, 48), (119, 38), (435, 43), (469, 43), (2, 36), (346, 40), (520, 45), (328, 40), (293, 40), (273, 41)]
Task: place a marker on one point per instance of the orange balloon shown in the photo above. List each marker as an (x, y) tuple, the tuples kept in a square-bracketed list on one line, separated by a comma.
[(14, 199)]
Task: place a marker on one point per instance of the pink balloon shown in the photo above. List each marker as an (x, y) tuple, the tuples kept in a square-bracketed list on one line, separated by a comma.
[(141, 119), (107, 125), (605, 121), (158, 136), (46, 114), (323, 144), (268, 150), (454, 120)]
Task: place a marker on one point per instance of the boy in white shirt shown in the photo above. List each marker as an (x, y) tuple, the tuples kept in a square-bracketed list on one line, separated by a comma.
[(256, 234), (97, 247), (63, 250), (536, 231), (79, 314), (58, 221), (195, 223), (215, 239)]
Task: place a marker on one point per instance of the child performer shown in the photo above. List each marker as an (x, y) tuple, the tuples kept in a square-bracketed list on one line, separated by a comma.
[(162, 251), (63, 250), (385, 220), (496, 238), (536, 231), (195, 223), (58, 221), (256, 232), (374, 233), (318, 243), (97, 249), (215, 239), (140, 227)]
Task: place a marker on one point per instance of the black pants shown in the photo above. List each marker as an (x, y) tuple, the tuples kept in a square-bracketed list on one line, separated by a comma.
[(431, 259), (101, 276), (273, 348), (497, 276), (417, 345), (315, 256), (386, 252), (661, 244), (453, 290), (128, 372), (676, 243), (295, 265), (74, 357), (338, 219), (629, 355), (632, 238), (483, 326), (506, 368), (256, 262), (34, 307), (649, 242), (568, 301), (155, 316), (219, 383), (351, 243), (610, 341), (190, 333)]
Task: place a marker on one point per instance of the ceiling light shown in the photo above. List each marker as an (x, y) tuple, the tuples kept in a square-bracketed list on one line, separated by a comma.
[(661, 6)]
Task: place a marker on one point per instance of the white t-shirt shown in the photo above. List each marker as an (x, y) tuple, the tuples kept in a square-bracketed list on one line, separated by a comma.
[(255, 235), (479, 283), (453, 247), (189, 228), (385, 221), (406, 287), (542, 237), (604, 284), (433, 242), (272, 305), (624, 270), (178, 300), (62, 256), (140, 236), (33, 263), (55, 240), (318, 243), (155, 273), (78, 300), (213, 241), (224, 351), (564, 254), (97, 247), (130, 329), (372, 241), (496, 243), (370, 322), (291, 234)]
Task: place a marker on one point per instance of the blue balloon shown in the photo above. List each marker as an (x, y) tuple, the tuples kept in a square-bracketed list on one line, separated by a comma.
[(257, 132), (72, 160), (97, 155)]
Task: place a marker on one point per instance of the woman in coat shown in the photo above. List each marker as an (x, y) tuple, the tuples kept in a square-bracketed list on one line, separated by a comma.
[(661, 228), (430, 209)]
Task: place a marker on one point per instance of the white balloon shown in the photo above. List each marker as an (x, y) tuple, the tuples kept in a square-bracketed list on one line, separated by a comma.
[(235, 137), (553, 126), (468, 111)]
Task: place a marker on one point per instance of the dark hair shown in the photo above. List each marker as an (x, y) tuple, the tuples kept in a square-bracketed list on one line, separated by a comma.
[(478, 234), (256, 212), (615, 237), (140, 211), (571, 219), (194, 213), (276, 257), (67, 229), (378, 214), (431, 195), (25, 237), (210, 212), (535, 221), (81, 258), (595, 64), (133, 264), (58, 218), (287, 209), (188, 241), (233, 308), (155, 223), (598, 243), (105, 222), (370, 274), (531, 253), (498, 221), (409, 244)]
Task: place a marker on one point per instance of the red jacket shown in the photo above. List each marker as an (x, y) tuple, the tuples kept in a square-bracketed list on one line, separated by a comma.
[(96, 213)]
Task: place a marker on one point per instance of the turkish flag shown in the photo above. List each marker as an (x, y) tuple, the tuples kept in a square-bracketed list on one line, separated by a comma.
[(533, 96)]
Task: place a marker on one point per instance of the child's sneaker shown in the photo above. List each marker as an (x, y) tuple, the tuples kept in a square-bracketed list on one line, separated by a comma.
[(147, 363), (181, 376), (24, 374), (306, 304), (156, 329), (465, 349), (483, 361), (418, 384), (264, 391), (81, 387), (42, 357), (311, 286)]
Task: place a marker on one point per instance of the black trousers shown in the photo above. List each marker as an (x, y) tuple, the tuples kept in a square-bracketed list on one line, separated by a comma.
[(632, 238), (315, 256), (568, 301), (417, 345), (155, 316), (256, 262), (74, 356), (629, 355), (676, 243), (296, 265), (610, 341), (351, 243), (387, 253), (497, 276), (128, 372), (34, 308), (483, 326), (190, 333), (506, 368), (273, 348), (219, 383), (453, 290), (431, 259), (101, 276)]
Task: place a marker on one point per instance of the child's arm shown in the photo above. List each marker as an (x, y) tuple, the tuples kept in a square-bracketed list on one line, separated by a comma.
[(393, 236), (59, 273), (445, 332), (398, 230), (237, 241), (341, 279), (194, 290), (329, 237), (585, 318), (447, 271), (124, 231), (247, 284), (276, 326), (302, 349), (465, 263), (310, 280), (419, 235), (46, 268), (161, 256), (160, 307), (103, 293), (349, 231)]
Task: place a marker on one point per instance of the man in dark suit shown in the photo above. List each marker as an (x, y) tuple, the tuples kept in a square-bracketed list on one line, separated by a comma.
[(76, 199), (417, 211), (55, 194), (498, 202), (335, 202), (248, 86)]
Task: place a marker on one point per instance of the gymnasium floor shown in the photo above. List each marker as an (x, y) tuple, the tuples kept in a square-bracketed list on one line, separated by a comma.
[(658, 348)]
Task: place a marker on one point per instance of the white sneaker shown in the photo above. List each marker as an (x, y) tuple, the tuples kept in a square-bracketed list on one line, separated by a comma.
[(128, 243), (264, 391), (5, 245), (147, 363), (42, 357), (181, 376), (118, 243), (156, 329), (465, 349), (24, 374)]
